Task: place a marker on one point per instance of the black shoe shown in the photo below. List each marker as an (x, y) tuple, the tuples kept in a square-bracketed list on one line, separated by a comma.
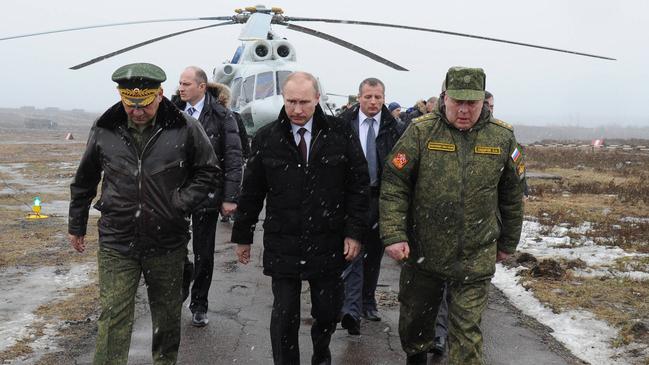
[(417, 359), (199, 319), (439, 347), (351, 324), (321, 359), (372, 315)]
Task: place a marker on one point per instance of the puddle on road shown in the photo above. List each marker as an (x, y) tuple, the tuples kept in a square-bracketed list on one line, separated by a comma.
[(24, 290), (15, 181)]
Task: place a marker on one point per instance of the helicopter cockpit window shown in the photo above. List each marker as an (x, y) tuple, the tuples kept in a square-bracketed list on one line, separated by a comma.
[(265, 85), (281, 77), (236, 91), (248, 88)]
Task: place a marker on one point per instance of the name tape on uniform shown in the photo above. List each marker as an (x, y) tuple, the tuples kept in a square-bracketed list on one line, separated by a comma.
[(486, 150), (439, 146)]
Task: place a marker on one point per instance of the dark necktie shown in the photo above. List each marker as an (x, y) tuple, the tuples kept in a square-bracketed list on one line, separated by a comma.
[(370, 151), (302, 145), (191, 111)]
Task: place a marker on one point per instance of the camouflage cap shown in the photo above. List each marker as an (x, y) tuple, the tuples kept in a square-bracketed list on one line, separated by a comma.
[(463, 83), (139, 75)]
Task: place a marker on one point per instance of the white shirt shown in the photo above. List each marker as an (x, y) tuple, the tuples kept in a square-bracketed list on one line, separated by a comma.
[(198, 107), (307, 135), (363, 128)]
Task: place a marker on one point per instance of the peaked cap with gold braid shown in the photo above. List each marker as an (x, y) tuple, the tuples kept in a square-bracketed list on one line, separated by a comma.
[(138, 83)]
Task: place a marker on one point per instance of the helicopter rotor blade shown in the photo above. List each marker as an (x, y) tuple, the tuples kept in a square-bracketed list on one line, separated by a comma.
[(345, 44), (466, 35), (115, 25), (109, 55)]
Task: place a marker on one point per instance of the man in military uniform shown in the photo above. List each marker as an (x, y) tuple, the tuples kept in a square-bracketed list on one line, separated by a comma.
[(451, 207), (149, 189)]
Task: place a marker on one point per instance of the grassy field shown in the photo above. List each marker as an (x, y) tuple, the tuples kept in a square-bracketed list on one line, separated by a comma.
[(608, 190)]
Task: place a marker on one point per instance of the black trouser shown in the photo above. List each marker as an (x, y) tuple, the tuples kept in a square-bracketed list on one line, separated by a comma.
[(326, 299), (373, 248), (362, 274), (203, 238)]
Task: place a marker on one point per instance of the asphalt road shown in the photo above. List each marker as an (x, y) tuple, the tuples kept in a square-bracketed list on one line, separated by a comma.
[(239, 313)]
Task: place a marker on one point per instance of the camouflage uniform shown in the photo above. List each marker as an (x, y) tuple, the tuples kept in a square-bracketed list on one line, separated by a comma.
[(455, 197)]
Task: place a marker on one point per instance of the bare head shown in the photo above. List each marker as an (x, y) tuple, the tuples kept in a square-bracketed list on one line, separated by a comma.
[(431, 103), (192, 84), (301, 96), (489, 100), (371, 96)]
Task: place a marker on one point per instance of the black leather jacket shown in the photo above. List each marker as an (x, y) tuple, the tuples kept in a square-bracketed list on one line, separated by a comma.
[(145, 199)]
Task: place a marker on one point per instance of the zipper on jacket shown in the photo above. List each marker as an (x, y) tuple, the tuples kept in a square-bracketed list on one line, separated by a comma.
[(461, 231), (139, 156)]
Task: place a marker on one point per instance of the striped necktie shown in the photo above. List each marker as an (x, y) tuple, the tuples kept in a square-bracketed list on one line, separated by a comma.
[(191, 111)]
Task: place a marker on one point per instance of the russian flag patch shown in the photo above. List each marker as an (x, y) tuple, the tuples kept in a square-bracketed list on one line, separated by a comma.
[(516, 154)]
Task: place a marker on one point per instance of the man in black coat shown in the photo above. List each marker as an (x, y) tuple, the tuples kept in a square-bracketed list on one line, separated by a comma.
[(194, 99), (310, 169), (148, 190), (378, 131)]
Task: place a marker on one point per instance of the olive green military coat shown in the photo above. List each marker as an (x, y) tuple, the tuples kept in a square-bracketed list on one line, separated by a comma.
[(454, 196)]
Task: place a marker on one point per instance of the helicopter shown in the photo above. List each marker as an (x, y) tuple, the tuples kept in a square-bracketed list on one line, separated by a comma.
[(265, 58)]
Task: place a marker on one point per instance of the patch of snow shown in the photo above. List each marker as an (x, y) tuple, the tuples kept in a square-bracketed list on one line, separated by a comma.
[(43, 285), (634, 220), (585, 336), (551, 247)]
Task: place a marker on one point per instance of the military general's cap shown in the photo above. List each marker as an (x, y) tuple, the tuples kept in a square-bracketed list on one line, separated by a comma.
[(463, 83), (138, 83)]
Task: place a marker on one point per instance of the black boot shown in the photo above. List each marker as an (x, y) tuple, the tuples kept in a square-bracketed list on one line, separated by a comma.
[(417, 359)]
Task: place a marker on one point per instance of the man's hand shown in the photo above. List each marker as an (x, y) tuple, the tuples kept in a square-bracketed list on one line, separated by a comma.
[(352, 248), (77, 242), (501, 256), (243, 253), (398, 251), (227, 209)]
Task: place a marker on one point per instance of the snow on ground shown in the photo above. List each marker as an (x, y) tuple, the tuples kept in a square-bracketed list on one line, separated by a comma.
[(584, 335), (43, 285)]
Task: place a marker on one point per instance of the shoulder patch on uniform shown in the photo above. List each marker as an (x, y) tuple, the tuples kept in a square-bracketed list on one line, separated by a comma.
[(400, 160), (424, 117), (502, 124), (441, 146)]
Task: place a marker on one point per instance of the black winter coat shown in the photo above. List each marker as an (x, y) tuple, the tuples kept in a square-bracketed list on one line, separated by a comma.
[(145, 199), (310, 209), (390, 131), (222, 130)]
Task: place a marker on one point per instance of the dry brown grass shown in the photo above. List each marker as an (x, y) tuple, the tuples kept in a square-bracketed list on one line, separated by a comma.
[(37, 243), (601, 188)]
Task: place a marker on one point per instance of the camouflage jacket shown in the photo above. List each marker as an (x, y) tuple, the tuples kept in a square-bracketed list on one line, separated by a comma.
[(454, 196)]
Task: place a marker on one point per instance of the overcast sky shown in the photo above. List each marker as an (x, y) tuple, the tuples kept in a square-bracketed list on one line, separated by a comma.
[(532, 87)]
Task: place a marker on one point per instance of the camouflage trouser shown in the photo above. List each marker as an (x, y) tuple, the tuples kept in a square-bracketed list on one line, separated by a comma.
[(119, 276), (420, 294)]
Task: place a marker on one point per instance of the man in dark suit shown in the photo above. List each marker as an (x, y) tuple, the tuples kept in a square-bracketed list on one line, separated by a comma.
[(377, 131), (310, 169)]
